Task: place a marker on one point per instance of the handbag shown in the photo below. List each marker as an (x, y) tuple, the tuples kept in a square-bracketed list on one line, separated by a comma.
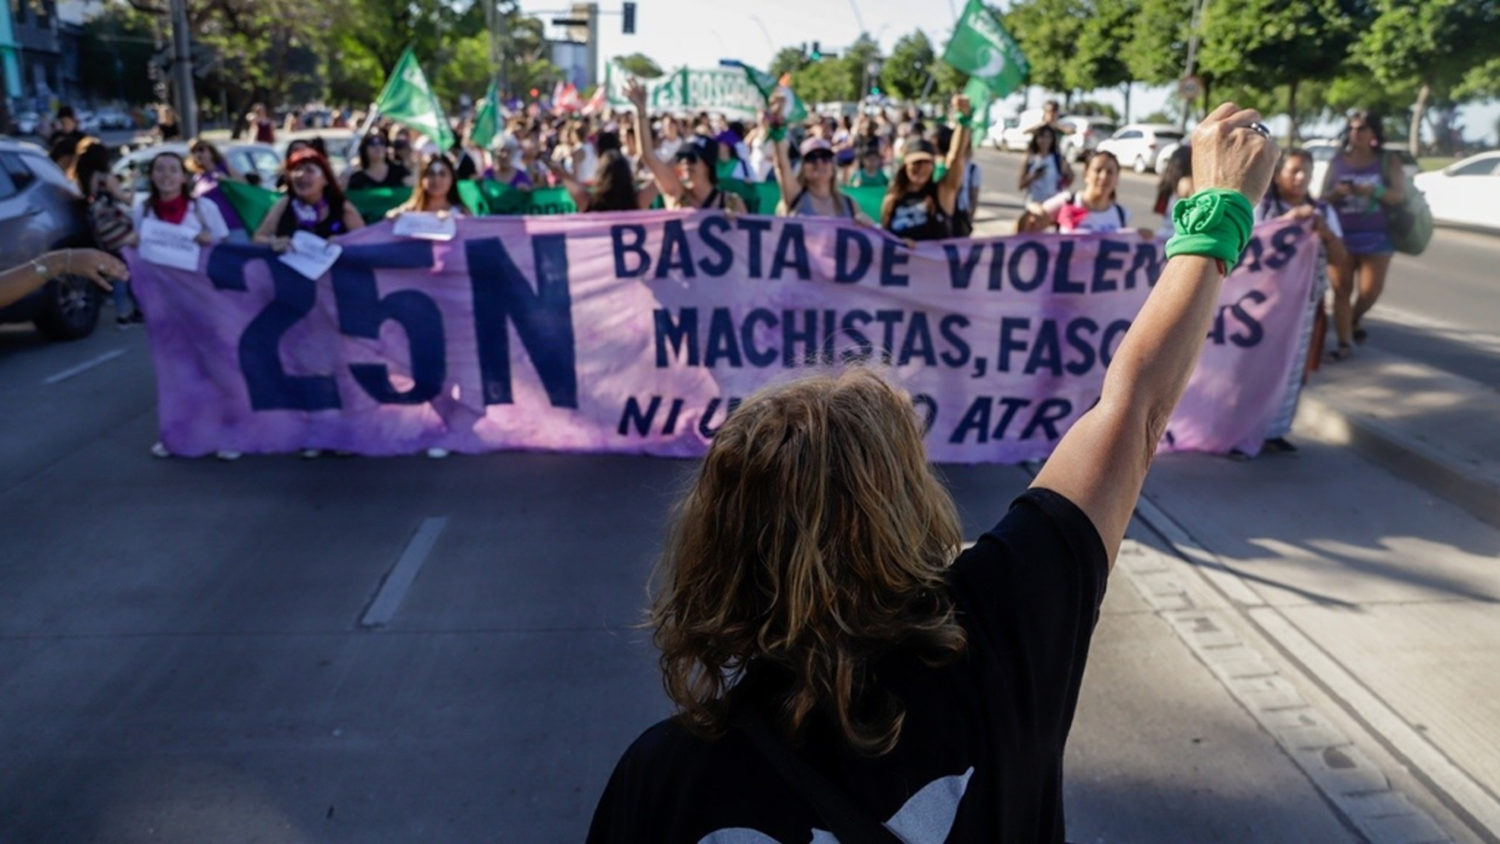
[(109, 223), (1410, 225), (845, 820)]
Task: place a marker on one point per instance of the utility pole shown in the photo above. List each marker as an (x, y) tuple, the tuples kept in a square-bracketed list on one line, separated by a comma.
[(186, 101), (1192, 58)]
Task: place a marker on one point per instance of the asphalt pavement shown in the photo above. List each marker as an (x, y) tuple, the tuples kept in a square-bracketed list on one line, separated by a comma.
[(1299, 648)]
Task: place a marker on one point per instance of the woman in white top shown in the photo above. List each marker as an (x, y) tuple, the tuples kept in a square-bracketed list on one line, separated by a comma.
[(1046, 171), (1093, 208), (169, 202)]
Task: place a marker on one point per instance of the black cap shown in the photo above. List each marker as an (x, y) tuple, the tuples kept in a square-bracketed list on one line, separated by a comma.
[(917, 148), (702, 147), (66, 112)]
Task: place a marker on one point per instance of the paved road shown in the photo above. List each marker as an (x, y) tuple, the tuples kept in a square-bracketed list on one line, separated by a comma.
[(1442, 308), (186, 648)]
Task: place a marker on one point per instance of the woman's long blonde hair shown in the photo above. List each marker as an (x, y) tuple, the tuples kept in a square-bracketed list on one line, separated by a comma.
[(815, 539)]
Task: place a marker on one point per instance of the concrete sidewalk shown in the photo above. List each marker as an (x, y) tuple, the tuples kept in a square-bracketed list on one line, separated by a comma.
[(1424, 425)]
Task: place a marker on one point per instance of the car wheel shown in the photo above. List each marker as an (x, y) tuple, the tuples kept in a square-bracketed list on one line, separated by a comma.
[(72, 309)]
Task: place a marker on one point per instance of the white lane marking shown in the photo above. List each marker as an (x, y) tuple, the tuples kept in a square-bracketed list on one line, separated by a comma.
[(83, 367), (398, 582)]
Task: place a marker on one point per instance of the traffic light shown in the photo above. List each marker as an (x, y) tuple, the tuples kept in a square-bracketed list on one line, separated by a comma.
[(817, 51), (629, 19)]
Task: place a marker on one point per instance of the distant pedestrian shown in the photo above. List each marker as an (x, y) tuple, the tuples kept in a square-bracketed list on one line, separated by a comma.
[(870, 170), (1363, 183), (209, 167), (63, 143), (168, 128), (260, 121), (1095, 207), (1045, 172), (109, 217), (1288, 199), (1176, 182)]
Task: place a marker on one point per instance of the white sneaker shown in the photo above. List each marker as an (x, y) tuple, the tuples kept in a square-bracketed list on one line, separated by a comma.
[(160, 450), (311, 453), (438, 453), (228, 456)]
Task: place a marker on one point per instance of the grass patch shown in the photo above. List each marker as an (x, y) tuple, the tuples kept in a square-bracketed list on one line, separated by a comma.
[(1430, 163)]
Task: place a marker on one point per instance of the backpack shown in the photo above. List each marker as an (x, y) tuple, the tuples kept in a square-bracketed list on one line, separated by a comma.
[(109, 223), (1411, 222)]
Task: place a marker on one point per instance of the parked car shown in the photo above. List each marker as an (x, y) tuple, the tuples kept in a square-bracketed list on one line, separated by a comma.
[(1016, 137), (336, 141), (88, 122), (40, 210), (1464, 193), (1323, 151), (1139, 145), (114, 118), (995, 135), (27, 122), (1088, 132), (262, 160)]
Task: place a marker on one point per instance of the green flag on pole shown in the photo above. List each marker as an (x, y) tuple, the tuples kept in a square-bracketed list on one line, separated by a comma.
[(982, 48), (487, 119), (767, 85), (409, 100), (979, 97)]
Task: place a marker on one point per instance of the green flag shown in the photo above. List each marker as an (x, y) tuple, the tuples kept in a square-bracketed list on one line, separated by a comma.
[(982, 48), (979, 97), (409, 100), (767, 85), (486, 119)]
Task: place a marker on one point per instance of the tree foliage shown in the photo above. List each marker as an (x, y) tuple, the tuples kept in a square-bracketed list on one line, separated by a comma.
[(640, 65), (1098, 61), (1048, 32), (911, 62)]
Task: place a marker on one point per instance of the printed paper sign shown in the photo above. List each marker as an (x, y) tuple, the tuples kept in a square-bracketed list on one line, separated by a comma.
[(311, 255), (168, 245), (425, 226)]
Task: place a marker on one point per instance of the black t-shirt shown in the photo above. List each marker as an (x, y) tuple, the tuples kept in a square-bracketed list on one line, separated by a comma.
[(981, 750), (919, 216), (395, 177)]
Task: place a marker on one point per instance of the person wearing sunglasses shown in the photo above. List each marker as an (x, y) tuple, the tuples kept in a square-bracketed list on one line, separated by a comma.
[(376, 169), (917, 207), (693, 182), (813, 190)]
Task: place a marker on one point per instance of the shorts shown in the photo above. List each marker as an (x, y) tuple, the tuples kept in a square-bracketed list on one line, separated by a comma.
[(1377, 242)]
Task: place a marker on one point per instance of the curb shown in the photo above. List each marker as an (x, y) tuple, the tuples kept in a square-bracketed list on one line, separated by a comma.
[(1402, 455)]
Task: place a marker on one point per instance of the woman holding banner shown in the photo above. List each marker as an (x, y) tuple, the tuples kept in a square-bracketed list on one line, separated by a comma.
[(169, 202), (837, 662), (1095, 208), (915, 206), (316, 204), (437, 190), (694, 181)]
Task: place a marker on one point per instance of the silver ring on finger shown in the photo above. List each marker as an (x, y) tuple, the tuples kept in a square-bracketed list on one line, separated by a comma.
[(1260, 129)]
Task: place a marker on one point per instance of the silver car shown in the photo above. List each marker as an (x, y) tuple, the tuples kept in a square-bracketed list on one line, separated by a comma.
[(40, 210)]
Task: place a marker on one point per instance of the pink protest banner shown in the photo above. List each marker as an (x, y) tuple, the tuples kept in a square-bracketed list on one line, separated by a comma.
[(638, 333)]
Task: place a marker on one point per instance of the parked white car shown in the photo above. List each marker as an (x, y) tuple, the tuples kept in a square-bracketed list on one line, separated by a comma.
[(1088, 132), (27, 122), (1139, 145), (1464, 193), (1016, 138), (1324, 149), (261, 161)]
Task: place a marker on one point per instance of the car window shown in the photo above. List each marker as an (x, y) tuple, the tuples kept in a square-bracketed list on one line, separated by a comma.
[(1169, 136), (8, 187), (20, 175), (1482, 167)]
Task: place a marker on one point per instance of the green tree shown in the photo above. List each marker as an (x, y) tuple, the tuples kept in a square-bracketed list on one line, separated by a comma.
[(1261, 46), (639, 64), (1097, 61), (1155, 49), (1442, 50), (906, 71), (119, 37), (1048, 32), (787, 60)]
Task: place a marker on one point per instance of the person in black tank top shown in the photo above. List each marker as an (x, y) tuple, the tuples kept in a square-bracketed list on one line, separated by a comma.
[(315, 204), (915, 206), (694, 181)]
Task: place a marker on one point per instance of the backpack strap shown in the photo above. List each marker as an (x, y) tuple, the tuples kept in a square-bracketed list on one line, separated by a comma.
[(845, 820), (1120, 211)]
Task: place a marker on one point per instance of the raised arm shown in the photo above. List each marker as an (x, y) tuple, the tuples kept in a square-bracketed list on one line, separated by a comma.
[(575, 190), (661, 172), (1101, 463), (772, 121), (958, 155)]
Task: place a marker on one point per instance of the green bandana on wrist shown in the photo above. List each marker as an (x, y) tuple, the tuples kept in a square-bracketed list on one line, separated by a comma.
[(964, 121), (1215, 222), (778, 134)]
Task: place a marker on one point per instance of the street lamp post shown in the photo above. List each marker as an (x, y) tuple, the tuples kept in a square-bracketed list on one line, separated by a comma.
[(1192, 57), (182, 71)]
